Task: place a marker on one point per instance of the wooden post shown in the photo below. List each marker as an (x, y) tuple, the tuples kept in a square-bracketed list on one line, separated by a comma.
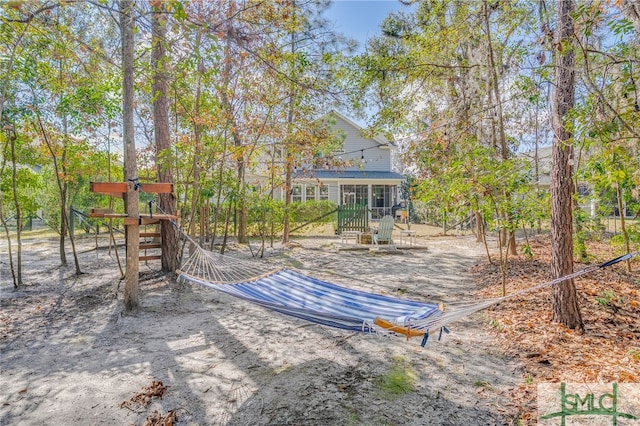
[(132, 232)]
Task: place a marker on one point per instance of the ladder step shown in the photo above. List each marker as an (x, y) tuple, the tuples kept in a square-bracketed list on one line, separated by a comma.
[(150, 246), (150, 234), (158, 257)]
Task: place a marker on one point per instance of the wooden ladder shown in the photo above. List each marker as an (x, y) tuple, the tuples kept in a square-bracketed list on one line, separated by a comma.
[(119, 189), (145, 245)]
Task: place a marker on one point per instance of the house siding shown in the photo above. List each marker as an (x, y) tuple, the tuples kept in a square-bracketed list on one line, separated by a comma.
[(356, 146), (375, 169)]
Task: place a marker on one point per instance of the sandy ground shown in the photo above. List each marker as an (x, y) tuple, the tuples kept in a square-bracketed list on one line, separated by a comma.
[(69, 357)]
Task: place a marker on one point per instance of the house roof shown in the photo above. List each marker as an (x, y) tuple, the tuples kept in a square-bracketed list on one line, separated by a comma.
[(378, 138), (356, 174)]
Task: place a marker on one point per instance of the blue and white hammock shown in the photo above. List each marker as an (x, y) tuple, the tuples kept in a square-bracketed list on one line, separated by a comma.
[(301, 296), (298, 295)]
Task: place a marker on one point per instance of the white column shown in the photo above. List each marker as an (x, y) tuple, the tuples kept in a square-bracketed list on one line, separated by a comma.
[(369, 196)]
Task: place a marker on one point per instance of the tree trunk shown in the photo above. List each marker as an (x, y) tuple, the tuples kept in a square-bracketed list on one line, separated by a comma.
[(162, 137), (60, 170), (197, 169), (565, 306), (240, 202), (63, 222), (7, 235), (17, 281), (132, 234), (504, 151), (219, 203), (288, 178), (479, 227), (64, 200), (241, 210), (623, 226)]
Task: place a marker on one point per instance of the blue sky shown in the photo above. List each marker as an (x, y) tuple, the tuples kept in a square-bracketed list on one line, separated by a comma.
[(360, 19)]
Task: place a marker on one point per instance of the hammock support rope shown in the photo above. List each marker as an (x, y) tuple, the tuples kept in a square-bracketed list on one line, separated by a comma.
[(302, 296)]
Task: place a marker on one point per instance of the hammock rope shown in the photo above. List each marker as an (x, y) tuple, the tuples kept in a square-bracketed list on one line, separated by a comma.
[(211, 266), (296, 294), (467, 308), (220, 269)]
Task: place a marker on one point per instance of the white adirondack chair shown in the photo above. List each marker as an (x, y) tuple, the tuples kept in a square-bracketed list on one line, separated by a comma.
[(384, 234)]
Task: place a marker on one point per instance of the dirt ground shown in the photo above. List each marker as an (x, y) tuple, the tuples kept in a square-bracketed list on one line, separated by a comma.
[(69, 356)]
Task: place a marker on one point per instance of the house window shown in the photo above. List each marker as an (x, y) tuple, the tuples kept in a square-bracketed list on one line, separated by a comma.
[(296, 193), (382, 200), (310, 192), (324, 192), (381, 195), (355, 194)]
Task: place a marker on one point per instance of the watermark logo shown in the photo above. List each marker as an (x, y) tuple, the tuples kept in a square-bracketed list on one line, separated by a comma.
[(594, 404)]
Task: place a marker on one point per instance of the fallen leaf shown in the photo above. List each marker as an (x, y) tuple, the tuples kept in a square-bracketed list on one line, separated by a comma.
[(600, 354)]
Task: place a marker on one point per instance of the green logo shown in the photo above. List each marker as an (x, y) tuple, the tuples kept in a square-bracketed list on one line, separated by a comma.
[(591, 404)]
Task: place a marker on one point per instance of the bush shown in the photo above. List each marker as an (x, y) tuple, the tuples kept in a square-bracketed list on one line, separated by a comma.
[(301, 213), (305, 212), (633, 231)]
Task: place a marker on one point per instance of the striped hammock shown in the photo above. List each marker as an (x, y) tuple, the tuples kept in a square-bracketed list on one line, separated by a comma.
[(298, 295), (293, 293)]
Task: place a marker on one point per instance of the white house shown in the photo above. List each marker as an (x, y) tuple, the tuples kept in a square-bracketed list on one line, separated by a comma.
[(363, 177)]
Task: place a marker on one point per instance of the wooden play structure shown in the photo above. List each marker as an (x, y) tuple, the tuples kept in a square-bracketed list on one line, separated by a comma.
[(148, 237)]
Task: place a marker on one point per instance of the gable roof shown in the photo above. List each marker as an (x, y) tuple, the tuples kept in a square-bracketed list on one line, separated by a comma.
[(378, 138)]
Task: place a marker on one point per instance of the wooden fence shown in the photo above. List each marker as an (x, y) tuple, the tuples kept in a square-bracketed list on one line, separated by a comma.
[(353, 217)]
